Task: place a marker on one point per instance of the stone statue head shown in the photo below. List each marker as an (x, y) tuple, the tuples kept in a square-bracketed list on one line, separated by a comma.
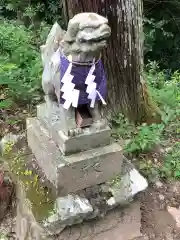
[(86, 33)]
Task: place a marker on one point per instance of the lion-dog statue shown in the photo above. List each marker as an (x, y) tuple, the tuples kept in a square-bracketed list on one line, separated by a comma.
[(73, 72)]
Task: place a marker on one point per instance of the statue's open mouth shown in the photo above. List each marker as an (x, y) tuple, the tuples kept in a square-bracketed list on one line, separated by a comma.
[(88, 38), (100, 39), (95, 40)]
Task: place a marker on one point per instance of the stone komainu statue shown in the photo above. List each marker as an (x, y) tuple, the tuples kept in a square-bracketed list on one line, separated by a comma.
[(73, 72)]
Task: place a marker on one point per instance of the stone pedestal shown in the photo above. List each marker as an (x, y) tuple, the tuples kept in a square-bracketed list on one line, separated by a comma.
[(43, 215), (40, 215), (76, 171), (119, 224), (86, 175)]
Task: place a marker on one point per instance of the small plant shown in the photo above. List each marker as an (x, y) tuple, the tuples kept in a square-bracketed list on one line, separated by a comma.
[(146, 138), (115, 182), (148, 168), (171, 165), (8, 147), (121, 127)]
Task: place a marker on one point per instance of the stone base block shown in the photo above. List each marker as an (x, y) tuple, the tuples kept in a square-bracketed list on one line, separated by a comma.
[(40, 215), (77, 171), (47, 220), (73, 210), (119, 224), (89, 138)]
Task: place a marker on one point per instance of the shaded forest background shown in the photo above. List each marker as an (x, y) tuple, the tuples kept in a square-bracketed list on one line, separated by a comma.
[(161, 25)]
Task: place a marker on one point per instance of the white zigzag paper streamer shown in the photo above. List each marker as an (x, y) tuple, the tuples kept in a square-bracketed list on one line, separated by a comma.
[(70, 95), (91, 87)]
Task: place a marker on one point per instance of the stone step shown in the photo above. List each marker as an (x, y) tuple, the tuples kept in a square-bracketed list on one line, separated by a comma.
[(119, 224), (47, 218), (89, 138), (77, 171)]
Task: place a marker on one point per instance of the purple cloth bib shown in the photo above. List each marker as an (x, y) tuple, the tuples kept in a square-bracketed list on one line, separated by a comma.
[(80, 74)]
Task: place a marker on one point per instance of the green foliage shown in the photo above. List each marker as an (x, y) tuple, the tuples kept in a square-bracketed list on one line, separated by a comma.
[(121, 127), (171, 166), (162, 39), (5, 104), (149, 168), (20, 63), (164, 91), (145, 138), (32, 12), (167, 169), (23, 28)]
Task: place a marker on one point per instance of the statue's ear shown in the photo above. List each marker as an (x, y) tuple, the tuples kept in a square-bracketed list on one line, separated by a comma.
[(73, 28)]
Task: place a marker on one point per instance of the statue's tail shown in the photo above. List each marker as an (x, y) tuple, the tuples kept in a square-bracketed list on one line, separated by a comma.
[(52, 43), (51, 60)]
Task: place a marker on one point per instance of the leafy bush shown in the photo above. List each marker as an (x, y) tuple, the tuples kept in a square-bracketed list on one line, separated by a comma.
[(162, 39), (171, 166), (32, 12), (146, 138), (121, 127), (20, 63), (165, 92)]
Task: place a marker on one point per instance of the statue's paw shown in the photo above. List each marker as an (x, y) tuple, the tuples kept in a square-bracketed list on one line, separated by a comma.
[(79, 131), (75, 132), (99, 125)]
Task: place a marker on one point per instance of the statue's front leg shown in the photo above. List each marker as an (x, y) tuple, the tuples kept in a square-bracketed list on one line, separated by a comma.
[(95, 113), (98, 122), (64, 119), (68, 122)]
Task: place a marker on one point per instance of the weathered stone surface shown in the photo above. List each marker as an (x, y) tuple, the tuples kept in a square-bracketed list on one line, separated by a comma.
[(27, 226), (119, 191), (126, 186), (6, 190), (88, 139), (116, 224), (119, 224), (68, 211), (77, 171)]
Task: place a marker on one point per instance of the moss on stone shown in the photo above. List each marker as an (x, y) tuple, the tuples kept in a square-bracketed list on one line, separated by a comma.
[(41, 199), (115, 182)]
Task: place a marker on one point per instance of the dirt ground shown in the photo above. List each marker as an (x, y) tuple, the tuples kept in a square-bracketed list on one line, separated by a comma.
[(157, 223)]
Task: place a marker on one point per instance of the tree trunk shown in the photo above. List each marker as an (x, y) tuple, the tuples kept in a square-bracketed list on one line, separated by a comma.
[(123, 57)]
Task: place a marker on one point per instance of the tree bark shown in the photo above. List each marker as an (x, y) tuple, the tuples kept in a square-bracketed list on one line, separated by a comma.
[(123, 57)]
